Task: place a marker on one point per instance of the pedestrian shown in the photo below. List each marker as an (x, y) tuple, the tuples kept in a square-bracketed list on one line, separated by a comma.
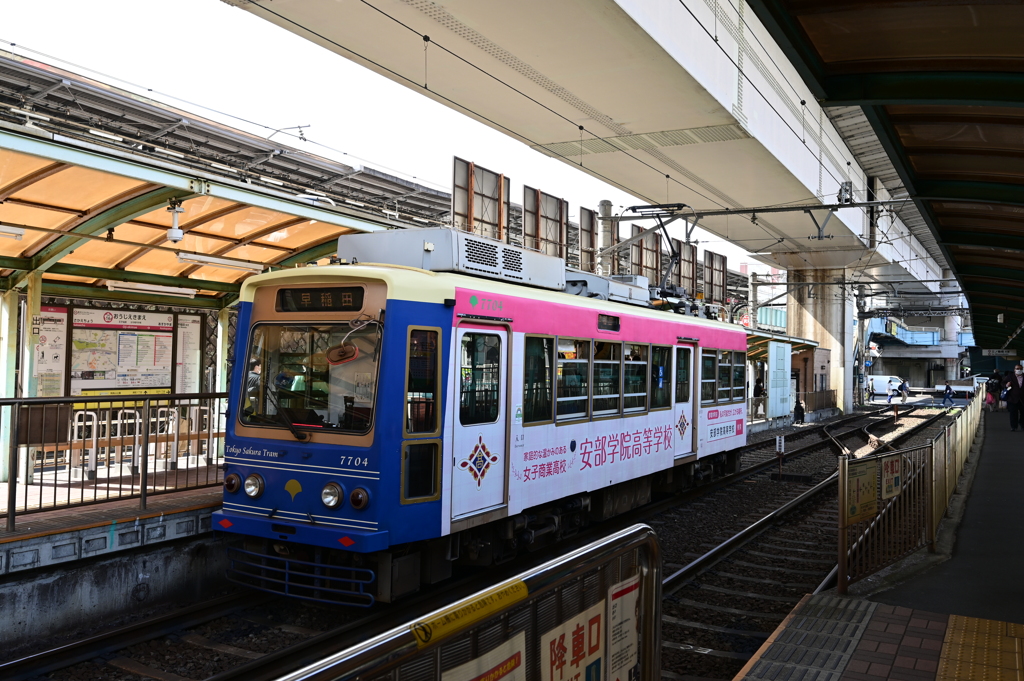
[(890, 388), (758, 396), (992, 388), (904, 390), (1015, 397), (947, 395), (798, 412)]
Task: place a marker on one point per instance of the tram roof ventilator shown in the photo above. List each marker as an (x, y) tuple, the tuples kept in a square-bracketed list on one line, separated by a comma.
[(447, 250)]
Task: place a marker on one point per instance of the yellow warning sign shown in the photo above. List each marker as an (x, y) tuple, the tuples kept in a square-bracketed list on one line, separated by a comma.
[(462, 615), (861, 491), (118, 393)]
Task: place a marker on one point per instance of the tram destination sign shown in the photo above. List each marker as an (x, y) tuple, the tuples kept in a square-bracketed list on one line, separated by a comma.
[(331, 299)]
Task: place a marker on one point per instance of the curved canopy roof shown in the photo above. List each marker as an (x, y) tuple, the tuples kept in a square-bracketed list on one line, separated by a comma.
[(942, 86), (88, 172)]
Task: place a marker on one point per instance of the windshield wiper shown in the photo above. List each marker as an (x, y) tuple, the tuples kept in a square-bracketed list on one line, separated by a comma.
[(299, 435)]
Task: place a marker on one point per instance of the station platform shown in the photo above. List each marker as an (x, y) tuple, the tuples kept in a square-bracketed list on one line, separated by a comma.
[(955, 616), (64, 535)]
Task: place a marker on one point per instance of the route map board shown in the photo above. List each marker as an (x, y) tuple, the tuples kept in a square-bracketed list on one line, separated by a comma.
[(861, 490), (120, 349)]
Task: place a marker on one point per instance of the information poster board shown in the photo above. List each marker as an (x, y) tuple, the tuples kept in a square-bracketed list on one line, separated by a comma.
[(574, 650), (624, 630), (861, 490), (892, 478), (50, 357), (778, 379), (188, 377), (113, 351), (507, 662)]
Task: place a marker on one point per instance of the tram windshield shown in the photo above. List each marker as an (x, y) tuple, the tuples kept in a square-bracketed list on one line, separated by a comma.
[(312, 377)]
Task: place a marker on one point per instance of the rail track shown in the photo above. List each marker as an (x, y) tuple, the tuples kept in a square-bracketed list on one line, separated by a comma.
[(728, 593), (256, 637)]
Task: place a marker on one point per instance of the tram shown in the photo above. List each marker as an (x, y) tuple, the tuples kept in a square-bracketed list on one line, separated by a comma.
[(437, 398)]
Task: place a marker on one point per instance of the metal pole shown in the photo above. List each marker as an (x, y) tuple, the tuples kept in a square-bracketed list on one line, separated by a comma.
[(752, 300), (145, 456), (841, 574), (12, 470), (605, 238), (929, 478)]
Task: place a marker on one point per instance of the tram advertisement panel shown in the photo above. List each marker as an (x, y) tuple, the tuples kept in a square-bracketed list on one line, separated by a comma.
[(722, 428)]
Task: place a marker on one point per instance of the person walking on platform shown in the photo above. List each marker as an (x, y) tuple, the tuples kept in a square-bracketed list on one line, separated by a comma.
[(947, 395), (992, 388), (759, 397), (1015, 397), (891, 389), (904, 391)]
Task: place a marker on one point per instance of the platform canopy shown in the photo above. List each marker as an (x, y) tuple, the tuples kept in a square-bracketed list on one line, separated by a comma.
[(88, 172), (938, 86)]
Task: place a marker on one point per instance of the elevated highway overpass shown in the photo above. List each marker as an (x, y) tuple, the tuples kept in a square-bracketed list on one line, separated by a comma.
[(690, 102)]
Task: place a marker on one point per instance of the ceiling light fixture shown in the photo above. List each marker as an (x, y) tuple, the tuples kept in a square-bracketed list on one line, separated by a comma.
[(137, 287), (107, 135), (11, 232), (197, 259), (30, 114)]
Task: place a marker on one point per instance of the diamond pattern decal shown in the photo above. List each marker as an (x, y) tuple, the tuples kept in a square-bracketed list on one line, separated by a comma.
[(225, 523), (346, 541), (682, 424), (479, 461)]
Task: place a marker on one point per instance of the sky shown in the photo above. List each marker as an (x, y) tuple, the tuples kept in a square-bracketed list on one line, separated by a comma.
[(222, 63)]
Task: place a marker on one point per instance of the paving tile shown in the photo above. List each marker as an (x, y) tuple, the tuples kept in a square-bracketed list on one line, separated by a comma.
[(896, 629), (929, 644), (927, 665), (882, 637), (900, 610), (869, 646), (911, 641), (905, 662), (902, 674), (853, 676), (873, 657), (979, 640), (888, 648), (983, 656), (878, 669), (918, 653), (858, 666), (949, 671)]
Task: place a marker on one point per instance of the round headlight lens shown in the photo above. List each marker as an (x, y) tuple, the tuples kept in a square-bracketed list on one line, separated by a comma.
[(232, 483), (332, 495), (254, 486), (359, 498)]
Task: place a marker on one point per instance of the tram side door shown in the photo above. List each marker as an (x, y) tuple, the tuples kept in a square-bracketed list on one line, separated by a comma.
[(686, 389), (479, 457)]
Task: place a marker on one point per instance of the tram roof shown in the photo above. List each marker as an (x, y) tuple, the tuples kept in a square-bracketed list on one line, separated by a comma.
[(87, 171)]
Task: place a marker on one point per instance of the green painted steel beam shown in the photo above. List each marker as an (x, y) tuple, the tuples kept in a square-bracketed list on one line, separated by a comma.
[(315, 253), (962, 88), (19, 264), (112, 217), (66, 290), (142, 277)]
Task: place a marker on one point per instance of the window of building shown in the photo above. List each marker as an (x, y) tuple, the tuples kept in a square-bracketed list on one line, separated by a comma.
[(661, 377), (421, 383), (708, 367), (480, 376), (573, 378), (635, 377), (682, 374), (607, 373), (538, 379)]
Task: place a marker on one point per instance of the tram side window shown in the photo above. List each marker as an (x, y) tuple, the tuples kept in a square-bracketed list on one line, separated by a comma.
[(724, 376), (661, 382), (607, 374), (538, 379), (422, 388), (708, 367), (739, 376), (635, 377), (573, 378), (420, 474), (682, 374), (480, 378)]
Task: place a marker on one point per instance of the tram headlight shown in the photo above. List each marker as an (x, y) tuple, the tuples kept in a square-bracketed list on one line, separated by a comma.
[(254, 486), (232, 483), (332, 495), (359, 498)]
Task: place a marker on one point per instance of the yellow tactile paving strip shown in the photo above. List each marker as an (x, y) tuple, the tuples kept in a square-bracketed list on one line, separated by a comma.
[(981, 650)]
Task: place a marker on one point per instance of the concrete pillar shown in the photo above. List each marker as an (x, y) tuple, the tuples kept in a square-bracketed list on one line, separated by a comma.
[(8, 371), (604, 237), (828, 315), (223, 349)]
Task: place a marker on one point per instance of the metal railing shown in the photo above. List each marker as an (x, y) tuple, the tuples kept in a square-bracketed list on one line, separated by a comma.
[(910, 507), (592, 613), (757, 407), (75, 451)]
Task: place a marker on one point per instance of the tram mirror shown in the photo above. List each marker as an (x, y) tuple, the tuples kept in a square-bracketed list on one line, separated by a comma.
[(341, 353)]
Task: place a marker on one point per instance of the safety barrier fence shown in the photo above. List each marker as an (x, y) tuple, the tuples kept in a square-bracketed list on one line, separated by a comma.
[(757, 407), (594, 613), (74, 451), (891, 503)]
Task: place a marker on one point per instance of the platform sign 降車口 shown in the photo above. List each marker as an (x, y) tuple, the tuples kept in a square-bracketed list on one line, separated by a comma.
[(861, 490), (574, 650), (507, 662), (892, 476)]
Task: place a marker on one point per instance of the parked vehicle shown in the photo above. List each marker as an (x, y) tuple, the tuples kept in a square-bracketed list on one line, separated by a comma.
[(879, 384)]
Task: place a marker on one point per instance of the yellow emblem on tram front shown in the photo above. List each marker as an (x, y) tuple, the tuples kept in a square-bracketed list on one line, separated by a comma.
[(292, 487)]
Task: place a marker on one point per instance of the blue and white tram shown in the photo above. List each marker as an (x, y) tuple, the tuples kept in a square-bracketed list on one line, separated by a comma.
[(388, 421)]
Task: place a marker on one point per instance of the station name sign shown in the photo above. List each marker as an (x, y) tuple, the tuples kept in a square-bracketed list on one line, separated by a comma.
[(1002, 352)]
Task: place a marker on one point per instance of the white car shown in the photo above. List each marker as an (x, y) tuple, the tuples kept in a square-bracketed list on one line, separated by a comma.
[(879, 384)]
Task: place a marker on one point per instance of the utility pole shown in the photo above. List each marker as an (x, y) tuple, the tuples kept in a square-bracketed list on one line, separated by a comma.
[(752, 299)]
